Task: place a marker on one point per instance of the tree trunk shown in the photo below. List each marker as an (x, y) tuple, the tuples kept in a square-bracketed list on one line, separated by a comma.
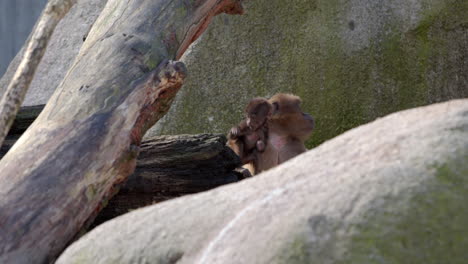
[(167, 167), (86, 140)]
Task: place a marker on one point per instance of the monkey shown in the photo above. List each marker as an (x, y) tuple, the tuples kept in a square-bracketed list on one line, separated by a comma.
[(288, 129), (250, 135)]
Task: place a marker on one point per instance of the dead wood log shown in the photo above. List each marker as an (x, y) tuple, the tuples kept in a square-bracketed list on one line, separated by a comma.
[(167, 167), (173, 166), (85, 142), (25, 117)]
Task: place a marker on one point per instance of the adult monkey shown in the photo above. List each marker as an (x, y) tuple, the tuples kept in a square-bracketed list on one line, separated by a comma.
[(288, 129)]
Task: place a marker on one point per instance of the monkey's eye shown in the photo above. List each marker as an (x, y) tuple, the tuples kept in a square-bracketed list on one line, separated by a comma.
[(275, 106)]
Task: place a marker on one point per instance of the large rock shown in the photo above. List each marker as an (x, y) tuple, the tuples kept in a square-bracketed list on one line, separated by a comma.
[(350, 60), (62, 49), (393, 191)]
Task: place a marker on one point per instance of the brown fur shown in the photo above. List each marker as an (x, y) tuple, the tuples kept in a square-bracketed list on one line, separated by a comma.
[(288, 128), (249, 137)]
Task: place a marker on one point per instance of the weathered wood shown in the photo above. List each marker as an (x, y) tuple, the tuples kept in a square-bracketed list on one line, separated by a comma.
[(183, 164), (11, 102), (167, 167), (85, 142), (173, 166), (170, 167)]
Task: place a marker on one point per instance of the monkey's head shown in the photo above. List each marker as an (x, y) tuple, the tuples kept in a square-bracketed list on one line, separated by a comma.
[(257, 112), (288, 119)]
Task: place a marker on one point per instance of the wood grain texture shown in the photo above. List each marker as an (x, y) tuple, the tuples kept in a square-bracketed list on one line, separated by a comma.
[(85, 142), (167, 167), (173, 166)]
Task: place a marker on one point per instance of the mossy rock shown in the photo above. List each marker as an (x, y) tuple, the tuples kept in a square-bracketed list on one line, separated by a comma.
[(350, 61)]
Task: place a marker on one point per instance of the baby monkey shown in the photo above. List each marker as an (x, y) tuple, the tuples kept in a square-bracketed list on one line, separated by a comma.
[(251, 134)]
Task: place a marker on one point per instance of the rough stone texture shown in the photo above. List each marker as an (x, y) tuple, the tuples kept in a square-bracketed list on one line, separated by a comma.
[(350, 60), (17, 17), (393, 191), (62, 50)]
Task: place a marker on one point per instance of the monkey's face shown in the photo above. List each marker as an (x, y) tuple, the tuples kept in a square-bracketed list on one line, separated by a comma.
[(250, 124), (305, 126), (288, 119), (257, 112), (255, 121)]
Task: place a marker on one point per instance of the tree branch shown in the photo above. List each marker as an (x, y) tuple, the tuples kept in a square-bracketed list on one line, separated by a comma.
[(18, 87), (85, 142)]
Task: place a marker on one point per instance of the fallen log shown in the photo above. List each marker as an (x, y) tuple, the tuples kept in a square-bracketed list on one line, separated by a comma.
[(167, 167), (173, 166), (85, 142)]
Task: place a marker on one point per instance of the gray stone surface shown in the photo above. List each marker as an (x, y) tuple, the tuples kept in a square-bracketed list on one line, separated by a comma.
[(17, 18), (350, 60), (392, 191), (61, 52)]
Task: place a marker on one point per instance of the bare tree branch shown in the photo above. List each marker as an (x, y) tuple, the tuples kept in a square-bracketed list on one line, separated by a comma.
[(85, 142), (18, 87)]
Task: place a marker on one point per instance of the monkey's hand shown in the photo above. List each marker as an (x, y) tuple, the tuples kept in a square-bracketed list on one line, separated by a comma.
[(234, 133), (260, 145)]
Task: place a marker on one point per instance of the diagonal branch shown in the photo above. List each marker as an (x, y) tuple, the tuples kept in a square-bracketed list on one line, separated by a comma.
[(18, 87), (84, 143)]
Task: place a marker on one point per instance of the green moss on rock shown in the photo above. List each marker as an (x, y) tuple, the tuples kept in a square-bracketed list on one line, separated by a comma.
[(432, 229), (296, 253), (349, 67)]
